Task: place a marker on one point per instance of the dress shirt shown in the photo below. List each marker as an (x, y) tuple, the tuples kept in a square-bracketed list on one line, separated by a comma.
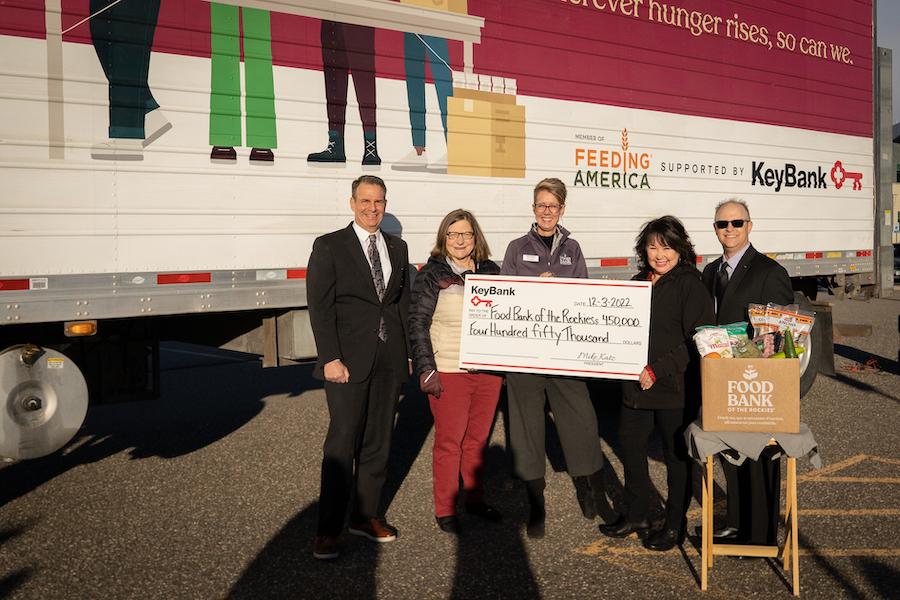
[(363, 236)]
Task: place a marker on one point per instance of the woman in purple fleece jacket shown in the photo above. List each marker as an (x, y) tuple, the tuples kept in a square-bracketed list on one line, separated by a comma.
[(548, 251)]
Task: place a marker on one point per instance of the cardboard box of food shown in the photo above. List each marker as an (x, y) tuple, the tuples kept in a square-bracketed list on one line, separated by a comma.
[(457, 6), (749, 394), (485, 134)]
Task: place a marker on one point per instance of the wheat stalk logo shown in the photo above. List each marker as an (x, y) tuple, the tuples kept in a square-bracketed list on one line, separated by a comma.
[(624, 150), (750, 373)]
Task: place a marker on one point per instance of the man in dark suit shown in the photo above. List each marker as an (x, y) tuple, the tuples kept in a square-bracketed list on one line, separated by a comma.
[(358, 296), (740, 277)]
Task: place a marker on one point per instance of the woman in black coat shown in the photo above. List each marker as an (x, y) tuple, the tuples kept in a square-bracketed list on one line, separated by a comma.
[(679, 303)]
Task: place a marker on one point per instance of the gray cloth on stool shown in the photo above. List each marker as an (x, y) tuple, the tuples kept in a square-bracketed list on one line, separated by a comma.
[(702, 443)]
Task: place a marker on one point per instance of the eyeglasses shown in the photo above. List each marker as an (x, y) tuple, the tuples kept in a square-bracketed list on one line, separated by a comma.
[(367, 203), (553, 208), (736, 223), (465, 235)]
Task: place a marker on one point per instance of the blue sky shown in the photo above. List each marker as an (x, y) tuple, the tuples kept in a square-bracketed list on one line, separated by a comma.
[(888, 24)]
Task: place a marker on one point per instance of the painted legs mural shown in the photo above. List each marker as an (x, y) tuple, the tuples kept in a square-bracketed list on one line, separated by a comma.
[(122, 35), (225, 94), (348, 49), (416, 48)]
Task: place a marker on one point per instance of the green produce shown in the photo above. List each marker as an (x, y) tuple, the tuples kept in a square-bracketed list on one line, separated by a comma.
[(789, 350)]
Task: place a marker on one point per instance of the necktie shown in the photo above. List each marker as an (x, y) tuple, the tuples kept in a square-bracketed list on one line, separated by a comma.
[(378, 279), (721, 283)]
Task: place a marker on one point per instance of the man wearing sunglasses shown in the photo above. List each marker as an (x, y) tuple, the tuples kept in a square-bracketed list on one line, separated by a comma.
[(743, 276)]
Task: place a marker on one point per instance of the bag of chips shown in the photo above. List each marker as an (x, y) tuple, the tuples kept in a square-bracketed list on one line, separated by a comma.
[(713, 341)]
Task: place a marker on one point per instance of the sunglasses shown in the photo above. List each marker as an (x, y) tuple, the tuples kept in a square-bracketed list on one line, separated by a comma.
[(736, 223)]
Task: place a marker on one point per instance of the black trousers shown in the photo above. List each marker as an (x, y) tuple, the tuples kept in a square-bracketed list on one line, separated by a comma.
[(362, 421), (754, 498), (573, 415), (348, 49), (123, 37), (635, 427)]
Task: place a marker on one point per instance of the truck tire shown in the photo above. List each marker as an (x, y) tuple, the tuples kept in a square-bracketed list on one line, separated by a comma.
[(809, 360), (44, 399)]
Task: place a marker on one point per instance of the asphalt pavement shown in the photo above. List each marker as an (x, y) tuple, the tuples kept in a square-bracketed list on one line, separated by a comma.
[(210, 492)]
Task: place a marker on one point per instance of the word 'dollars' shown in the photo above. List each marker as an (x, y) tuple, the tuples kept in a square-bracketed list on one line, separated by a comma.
[(787, 177)]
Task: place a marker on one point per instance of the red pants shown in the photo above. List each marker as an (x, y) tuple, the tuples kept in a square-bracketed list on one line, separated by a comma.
[(462, 421)]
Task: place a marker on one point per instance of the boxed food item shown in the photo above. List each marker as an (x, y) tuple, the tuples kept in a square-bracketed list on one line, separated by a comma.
[(750, 394), (485, 134), (457, 6)]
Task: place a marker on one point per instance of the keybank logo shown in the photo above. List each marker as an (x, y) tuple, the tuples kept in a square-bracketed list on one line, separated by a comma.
[(788, 176), (493, 291), (750, 391)]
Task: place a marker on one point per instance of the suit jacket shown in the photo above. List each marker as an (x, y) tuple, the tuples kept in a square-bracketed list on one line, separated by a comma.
[(344, 310), (757, 280)]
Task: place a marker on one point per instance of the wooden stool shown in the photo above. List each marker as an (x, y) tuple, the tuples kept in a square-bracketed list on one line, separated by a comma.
[(788, 553)]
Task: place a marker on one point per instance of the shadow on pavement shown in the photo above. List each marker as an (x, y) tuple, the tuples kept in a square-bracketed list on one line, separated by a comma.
[(491, 558), (411, 428), (14, 581), (193, 412), (862, 386), (285, 568), (884, 578), (867, 358)]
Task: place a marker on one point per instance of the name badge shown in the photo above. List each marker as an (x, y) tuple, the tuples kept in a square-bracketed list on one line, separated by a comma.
[(565, 260), (531, 257)]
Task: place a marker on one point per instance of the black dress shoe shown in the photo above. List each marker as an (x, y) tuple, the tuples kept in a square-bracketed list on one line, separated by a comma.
[(664, 539), (622, 527), (449, 524), (262, 154), (725, 533), (223, 153), (536, 528), (585, 496), (484, 511)]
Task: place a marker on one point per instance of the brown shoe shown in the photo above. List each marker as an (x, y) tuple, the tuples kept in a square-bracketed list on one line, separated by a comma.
[(325, 547), (374, 529)]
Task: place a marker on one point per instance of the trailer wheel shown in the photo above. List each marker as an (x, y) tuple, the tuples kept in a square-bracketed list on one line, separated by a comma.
[(44, 401), (809, 360)]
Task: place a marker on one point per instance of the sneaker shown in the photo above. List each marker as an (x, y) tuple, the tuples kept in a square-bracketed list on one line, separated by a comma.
[(439, 165), (374, 529), (325, 547), (370, 155), (413, 161), (155, 125), (118, 149), (333, 153)]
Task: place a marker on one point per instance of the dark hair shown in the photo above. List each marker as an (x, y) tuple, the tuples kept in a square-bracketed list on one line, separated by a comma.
[(479, 253), (370, 180), (671, 232), (554, 186)]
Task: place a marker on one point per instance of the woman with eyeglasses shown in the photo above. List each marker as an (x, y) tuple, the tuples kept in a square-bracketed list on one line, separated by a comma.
[(463, 403), (679, 303), (548, 251)]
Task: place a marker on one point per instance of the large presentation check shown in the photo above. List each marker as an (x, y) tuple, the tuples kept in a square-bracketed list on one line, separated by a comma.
[(555, 326)]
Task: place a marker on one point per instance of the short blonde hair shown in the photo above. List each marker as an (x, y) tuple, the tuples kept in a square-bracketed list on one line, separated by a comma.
[(554, 186)]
